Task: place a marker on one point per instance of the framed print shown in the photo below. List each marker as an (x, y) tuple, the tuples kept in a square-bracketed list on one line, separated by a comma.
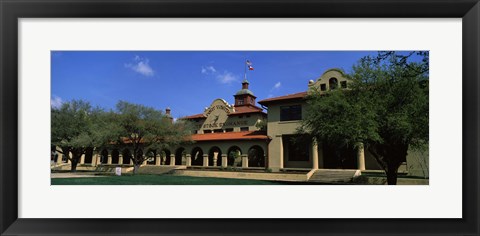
[(144, 40)]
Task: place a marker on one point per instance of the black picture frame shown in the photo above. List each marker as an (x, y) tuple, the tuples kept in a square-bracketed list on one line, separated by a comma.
[(11, 11)]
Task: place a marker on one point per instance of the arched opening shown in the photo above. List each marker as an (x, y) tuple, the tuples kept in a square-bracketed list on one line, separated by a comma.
[(165, 157), (104, 156), (215, 156), (127, 156), (151, 157), (115, 156), (180, 157), (234, 156), (197, 156), (88, 156), (256, 157), (333, 83)]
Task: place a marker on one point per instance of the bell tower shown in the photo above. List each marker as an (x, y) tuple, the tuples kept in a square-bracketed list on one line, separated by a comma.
[(244, 96)]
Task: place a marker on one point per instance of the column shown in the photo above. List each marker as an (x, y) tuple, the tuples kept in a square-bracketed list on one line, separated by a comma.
[(314, 154), (215, 158), (205, 159), (109, 160), (360, 156), (59, 158), (99, 159), (184, 160), (94, 158), (157, 159), (189, 159), (265, 157), (224, 160), (120, 158), (172, 159), (244, 160), (320, 155), (82, 159)]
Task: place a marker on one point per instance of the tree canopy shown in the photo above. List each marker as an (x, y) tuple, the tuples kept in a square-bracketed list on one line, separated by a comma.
[(385, 108), (140, 127), (72, 129), (77, 126)]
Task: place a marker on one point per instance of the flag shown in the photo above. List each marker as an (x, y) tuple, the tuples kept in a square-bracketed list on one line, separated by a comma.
[(249, 64)]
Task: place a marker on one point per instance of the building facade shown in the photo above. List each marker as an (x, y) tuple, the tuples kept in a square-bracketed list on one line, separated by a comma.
[(243, 135)]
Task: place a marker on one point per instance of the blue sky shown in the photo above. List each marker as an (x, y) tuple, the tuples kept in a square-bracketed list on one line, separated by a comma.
[(185, 81)]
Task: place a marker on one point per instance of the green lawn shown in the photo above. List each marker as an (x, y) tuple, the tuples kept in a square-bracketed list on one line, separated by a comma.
[(156, 180)]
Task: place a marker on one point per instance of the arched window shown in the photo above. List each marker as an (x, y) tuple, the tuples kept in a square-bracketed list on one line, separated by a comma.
[(197, 156), (234, 156), (333, 83), (256, 157)]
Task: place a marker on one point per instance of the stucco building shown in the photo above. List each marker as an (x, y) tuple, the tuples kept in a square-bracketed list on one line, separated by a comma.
[(243, 135)]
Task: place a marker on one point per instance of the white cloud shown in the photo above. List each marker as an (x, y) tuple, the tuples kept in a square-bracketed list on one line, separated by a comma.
[(226, 77), (56, 102), (141, 66), (208, 70), (277, 85)]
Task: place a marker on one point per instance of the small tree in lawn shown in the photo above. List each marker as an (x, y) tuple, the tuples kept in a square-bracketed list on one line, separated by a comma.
[(385, 108), (72, 128), (141, 127)]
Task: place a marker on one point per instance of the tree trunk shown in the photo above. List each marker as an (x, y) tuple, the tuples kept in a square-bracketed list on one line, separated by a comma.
[(73, 163), (76, 155), (390, 157), (135, 168), (391, 177)]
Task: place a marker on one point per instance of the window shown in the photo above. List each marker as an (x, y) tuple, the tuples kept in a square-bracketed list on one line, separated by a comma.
[(293, 112), (323, 87), (207, 131), (240, 101), (248, 116), (243, 128), (343, 84), (333, 83), (218, 131), (229, 130), (240, 117), (296, 147)]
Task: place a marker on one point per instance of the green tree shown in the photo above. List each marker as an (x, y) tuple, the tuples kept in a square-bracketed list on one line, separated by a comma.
[(142, 128), (72, 128), (385, 108)]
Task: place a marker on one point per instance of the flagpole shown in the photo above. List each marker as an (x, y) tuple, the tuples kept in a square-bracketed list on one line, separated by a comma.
[(245, 69)]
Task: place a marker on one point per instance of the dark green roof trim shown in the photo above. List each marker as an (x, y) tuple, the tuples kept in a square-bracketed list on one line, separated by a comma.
[(334, 69), (244, 91)]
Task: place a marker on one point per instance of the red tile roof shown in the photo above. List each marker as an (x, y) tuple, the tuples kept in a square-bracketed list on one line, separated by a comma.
[(293, 96), (240, 110), (245, 135), (197, 116)]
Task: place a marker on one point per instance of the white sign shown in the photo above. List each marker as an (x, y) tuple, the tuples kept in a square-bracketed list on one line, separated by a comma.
[(118, 171)]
